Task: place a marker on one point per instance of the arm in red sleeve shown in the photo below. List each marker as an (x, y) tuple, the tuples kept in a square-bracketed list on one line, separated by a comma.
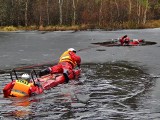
[(7, 89), (75, 58)]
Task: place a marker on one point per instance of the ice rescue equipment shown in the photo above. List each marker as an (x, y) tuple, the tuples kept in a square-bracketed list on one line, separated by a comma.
[(21, 88)]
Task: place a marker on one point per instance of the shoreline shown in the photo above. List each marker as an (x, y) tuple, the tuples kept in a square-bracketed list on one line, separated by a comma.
[(84, 27)]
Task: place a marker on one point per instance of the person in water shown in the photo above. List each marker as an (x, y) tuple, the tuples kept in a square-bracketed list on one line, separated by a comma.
[(67, 65), (22, 87), (124, 40)]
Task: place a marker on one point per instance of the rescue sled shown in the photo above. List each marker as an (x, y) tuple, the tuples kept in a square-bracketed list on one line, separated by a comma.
[(40, 84), (52, 80)]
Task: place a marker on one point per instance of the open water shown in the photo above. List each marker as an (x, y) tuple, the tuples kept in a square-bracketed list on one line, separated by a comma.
[(117, 83)]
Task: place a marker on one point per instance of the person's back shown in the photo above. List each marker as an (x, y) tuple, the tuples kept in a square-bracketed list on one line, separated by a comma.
[(66, 65), (71, 57), (21, 87), (18, 88)]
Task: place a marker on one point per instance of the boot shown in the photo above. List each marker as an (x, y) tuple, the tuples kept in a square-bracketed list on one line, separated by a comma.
[(65, 73), (44, 72)]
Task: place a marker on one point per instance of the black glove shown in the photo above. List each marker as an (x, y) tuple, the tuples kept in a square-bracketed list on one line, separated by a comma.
[(78, 66), (44, 72)]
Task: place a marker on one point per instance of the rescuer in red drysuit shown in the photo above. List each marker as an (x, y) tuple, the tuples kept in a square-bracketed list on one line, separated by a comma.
[(124, 40), (67, 64), (22, 87)]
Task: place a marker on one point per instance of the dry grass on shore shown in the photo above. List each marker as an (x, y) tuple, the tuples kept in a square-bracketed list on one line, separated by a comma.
[(153, 24), (46, 28), (128, 25)]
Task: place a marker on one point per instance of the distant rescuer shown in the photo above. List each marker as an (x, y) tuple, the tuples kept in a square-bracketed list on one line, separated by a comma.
[(124, 40), (22, 87), (68, 62)]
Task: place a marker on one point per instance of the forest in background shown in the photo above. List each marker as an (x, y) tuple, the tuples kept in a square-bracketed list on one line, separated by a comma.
[(106, 14)]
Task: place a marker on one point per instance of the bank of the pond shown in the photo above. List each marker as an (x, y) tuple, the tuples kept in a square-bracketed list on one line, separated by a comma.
[(110, 26)]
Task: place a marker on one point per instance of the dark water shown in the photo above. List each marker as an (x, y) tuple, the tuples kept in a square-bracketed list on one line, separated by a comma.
[(117, 83), (104, 91)]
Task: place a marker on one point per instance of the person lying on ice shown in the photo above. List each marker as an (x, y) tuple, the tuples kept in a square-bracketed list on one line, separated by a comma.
[(124, 40), (68, 61), (22, 87)]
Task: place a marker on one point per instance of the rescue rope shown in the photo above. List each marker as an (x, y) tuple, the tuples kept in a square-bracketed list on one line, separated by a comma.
[(46, 63), (31, 66)]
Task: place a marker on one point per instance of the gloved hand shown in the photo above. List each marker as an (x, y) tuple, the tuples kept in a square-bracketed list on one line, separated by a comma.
[(44, 72), (79, 66)]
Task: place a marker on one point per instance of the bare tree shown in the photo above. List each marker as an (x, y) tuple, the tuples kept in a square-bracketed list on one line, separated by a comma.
[(130, 9), (100, 12), (60, 12), (146, 5), (3, 11), (26, 13), (70, 12), (117, 8), (48, 19), (74, 11), (138, 11)]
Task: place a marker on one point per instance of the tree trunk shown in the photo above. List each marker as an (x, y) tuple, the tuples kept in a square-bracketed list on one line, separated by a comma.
[(26, 13), (18, 13), (117, 8), (60, 12), (145, 11), (41, 4), (48, 18), (74, 13), (100, 13), (138, 12), (130, 9)]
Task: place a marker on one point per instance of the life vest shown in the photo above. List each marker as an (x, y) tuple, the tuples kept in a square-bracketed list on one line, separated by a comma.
[(21, 88), (65, 57)]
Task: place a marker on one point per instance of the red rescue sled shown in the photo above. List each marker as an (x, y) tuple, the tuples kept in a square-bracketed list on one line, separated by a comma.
[(52, 80), (39, 85)]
